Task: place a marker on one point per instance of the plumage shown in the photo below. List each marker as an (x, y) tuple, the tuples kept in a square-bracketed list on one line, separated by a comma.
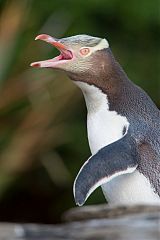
[(123, 123)]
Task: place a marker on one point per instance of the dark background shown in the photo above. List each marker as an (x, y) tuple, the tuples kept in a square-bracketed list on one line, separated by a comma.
[(43, 139)]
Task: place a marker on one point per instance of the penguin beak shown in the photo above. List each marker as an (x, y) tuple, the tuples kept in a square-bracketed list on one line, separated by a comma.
[(65, 53)]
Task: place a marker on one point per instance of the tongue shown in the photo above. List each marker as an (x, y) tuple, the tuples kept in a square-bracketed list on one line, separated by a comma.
[(66, 54)]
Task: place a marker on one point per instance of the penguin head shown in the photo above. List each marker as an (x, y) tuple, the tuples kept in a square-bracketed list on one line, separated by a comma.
[(81, 56)]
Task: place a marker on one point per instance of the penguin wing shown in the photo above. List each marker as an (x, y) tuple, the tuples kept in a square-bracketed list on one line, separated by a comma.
[(115, 159)]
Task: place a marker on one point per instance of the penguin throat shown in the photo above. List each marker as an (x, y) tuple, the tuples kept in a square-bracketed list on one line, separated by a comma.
[(94, 97)]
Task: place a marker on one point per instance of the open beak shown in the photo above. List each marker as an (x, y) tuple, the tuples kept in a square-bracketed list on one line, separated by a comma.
[(65, 53)]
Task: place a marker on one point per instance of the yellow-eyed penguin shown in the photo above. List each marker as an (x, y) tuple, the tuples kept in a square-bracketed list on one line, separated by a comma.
[(123, 123)]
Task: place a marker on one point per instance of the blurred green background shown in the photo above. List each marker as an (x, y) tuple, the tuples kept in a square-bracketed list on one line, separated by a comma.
[(43, 139)]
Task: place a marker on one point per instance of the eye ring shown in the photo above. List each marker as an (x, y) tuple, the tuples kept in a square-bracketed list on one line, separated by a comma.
[(84, 51)]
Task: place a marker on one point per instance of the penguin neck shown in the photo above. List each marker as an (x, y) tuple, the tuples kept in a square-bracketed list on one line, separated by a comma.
[(113, 81), (94, 97), (107, 77)]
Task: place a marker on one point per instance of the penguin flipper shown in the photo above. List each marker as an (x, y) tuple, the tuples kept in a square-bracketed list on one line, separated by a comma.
[(115, 159)]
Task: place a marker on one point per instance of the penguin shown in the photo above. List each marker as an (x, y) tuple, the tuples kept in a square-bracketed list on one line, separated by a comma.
[(123, 123)]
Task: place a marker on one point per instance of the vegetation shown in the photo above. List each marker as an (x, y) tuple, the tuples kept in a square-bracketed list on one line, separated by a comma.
[(42, 114)]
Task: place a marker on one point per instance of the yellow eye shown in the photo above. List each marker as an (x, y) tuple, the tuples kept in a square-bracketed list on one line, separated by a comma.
[(84, 51)]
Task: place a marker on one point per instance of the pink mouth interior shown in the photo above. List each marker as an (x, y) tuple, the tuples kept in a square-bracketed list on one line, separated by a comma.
[(65, 54)]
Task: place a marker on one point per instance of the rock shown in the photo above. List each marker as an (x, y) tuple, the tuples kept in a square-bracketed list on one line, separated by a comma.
[(105, 211), (95, 223)]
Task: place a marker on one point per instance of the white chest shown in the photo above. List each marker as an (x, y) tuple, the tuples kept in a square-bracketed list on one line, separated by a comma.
[(104, 127)]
